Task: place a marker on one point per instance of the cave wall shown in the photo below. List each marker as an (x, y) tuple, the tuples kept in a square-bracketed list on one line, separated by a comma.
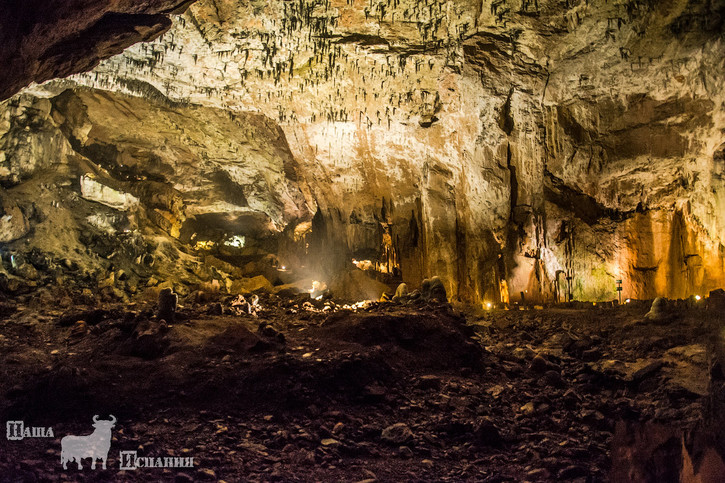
[(46, 39), (115, 194), (511, 140)]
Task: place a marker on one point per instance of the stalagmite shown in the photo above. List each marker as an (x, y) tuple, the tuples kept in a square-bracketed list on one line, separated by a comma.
[(167, 305)]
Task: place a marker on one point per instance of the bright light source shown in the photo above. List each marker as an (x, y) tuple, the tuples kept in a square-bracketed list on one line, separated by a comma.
[(318, 289), (697, 297), (627, 301), (489, 305)]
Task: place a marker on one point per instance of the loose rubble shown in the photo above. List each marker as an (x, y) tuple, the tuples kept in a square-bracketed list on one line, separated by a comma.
[(401, 391)]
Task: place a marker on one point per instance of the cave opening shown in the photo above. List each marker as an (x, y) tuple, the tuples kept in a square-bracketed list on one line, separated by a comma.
[(393, 240)]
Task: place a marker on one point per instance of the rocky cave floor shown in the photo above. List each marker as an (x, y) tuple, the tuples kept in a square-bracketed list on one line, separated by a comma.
[(392, 392)]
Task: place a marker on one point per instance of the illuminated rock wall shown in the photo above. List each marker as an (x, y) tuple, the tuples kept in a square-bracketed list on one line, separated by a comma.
[(502, 141)]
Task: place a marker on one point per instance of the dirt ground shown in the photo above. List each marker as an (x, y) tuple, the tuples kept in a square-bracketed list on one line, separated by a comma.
[(391, 392)]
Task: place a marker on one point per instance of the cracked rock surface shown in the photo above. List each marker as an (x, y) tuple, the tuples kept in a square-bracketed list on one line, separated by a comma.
[(510, 147)]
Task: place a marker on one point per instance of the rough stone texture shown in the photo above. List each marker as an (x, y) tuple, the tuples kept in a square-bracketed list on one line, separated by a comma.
[(94, 191), (182, 162), (13, 223), (519, 141), (397, 434), (356, 285), (41, 39), (367, 383), (108, 182)]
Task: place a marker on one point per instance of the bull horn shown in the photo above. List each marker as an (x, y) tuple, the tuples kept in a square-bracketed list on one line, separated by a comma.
[(113, 418), (95, 418)]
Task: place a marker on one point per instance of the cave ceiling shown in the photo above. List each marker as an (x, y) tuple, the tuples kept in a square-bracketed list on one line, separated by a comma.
[(496, 141)]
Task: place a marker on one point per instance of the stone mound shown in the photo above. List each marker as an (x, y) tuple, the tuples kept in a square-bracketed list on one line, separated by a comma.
[(235, 340), (356, 285), (440, 341)]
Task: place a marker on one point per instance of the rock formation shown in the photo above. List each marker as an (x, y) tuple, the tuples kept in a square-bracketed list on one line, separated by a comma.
[(527, 149), (41, 40)]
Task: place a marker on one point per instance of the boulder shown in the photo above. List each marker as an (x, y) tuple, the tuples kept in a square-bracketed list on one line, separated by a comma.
[(357, 285), (428, 340), (26, 271), (167, 305), (541, 365), (93, 190), (425, 289), (400, 292), (658, 312), (290, 290), (647, 371), (13, 223), (432, 289), (397, 434), (437, 291), (249, 285)]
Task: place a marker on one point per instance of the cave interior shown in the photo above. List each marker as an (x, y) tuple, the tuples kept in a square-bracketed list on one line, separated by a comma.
[(380, 240)]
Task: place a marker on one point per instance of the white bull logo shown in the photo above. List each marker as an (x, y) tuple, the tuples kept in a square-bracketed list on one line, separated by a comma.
[(94, 446)]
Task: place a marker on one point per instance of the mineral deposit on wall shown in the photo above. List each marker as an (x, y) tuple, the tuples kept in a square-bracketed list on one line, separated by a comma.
[(515, 148)]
